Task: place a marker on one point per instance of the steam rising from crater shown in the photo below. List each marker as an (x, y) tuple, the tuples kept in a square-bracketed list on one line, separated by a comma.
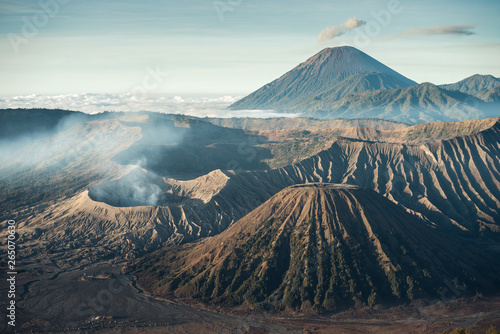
[(137, 188), (95, 152)]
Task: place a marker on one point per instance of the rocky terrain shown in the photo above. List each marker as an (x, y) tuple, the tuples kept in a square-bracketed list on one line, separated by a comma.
[(319, 246), (307, 124), (446, 173), (112, 188)]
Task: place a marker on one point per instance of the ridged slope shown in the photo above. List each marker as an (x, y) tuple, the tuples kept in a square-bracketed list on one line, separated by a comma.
[(188, 212), (474, 85), (317, 75), (351, 85), (416, 104), (320, 246), (453, 182), (492, 95)]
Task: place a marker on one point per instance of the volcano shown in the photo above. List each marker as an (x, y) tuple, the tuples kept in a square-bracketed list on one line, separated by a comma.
[(321, 74), (318, 246)]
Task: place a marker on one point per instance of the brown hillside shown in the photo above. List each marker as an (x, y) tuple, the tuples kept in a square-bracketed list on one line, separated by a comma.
[(320, 246)]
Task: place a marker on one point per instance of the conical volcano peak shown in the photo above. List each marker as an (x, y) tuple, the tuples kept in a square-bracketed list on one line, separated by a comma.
[(340, 51), (319, 74), (344, 61), (343, 48)]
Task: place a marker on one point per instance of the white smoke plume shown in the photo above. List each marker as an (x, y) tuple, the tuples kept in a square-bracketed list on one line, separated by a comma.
[(338, 30)]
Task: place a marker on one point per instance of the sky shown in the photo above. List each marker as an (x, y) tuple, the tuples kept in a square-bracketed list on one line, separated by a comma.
[(209, 48)]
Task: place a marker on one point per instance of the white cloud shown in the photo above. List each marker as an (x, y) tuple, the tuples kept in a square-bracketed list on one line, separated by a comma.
[(338, 30), (464, 30), (95, 103)]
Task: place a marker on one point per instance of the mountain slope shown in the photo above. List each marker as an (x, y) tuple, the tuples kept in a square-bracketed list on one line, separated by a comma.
[(453, 183), (447, 173), (492, 95), (474, 85), (320, 246), (299, 123), (416, 104), (319, 74), (354, 84), (36, 123), (346, 83)]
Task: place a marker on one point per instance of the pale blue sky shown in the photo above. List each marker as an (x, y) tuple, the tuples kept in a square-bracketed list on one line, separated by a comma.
[(108, 46)]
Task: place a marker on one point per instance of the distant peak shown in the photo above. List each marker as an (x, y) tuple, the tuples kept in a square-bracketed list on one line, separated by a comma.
[(344, 47), (482, 76), (346, 55), (339, 49)]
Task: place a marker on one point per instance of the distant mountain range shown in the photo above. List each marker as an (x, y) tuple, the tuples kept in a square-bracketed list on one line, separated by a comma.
[(477, 85), (415, 104), (344, 82)]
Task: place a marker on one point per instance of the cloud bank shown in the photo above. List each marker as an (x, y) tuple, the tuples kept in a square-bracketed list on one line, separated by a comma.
[(95, 103), (338, 30)]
